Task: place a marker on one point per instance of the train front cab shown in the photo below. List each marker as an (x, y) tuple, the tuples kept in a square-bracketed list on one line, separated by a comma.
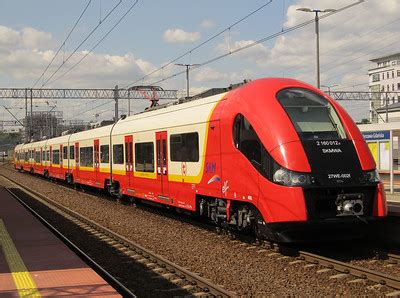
[(321, 185)]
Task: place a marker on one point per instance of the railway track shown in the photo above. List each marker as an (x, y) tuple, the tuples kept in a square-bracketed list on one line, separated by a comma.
[(343, 268), (188, 281), (394, 208), (356, 271), (394, 259)]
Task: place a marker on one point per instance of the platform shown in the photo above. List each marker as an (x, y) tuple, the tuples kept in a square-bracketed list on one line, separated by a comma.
[(35, 263), (393, 200)]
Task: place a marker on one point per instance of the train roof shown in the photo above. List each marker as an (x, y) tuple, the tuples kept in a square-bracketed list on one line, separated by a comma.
[(57, 140), (183, 114), (99, 132), (178, 113)]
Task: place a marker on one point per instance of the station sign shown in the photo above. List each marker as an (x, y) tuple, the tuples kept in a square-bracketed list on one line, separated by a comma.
[(376, 135)]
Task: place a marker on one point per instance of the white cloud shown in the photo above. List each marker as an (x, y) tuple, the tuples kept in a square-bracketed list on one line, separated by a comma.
[(27, 38), (23, 61), (180, 36), (34, 39), (8, 37), (348, 40), (208, 74), (208, 24), (220, 78), (257, 53)]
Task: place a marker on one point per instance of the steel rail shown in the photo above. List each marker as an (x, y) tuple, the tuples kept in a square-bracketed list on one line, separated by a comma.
[(207, 287), (395, 259), (117, 285), (393, 208), (347, 268)]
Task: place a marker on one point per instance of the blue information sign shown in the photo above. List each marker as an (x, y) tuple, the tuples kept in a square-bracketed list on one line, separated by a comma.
[(376, 135)]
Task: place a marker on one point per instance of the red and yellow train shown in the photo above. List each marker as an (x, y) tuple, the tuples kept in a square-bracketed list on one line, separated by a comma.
[(275, 155)]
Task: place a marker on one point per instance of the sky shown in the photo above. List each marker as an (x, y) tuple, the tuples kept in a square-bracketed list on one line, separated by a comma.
[(154, 33)]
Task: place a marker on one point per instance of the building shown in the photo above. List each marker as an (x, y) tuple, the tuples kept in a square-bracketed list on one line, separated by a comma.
[(391, 113), (40, 124), (384, 81), (49, 124)]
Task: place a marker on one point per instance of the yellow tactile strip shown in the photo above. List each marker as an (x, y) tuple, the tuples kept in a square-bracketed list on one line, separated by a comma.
[(22, 279)]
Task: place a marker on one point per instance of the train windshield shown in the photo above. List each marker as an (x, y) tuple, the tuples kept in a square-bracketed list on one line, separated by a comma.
[(313, 117)]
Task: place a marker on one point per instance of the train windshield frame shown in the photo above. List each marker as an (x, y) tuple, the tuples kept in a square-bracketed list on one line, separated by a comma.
[(312, 115)]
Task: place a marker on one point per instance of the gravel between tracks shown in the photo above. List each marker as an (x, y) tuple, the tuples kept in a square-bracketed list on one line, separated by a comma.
[(240, 268)]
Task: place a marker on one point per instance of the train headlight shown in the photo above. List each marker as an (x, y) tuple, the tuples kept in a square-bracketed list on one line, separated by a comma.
[(290, 178), (372, 176)]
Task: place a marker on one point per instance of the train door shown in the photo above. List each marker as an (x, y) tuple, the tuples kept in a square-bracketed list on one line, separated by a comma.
[(97, 160), (162, 162), (50, 159), (61, 161), (76, 160), (34, 159), (41, 160), (129, 159)]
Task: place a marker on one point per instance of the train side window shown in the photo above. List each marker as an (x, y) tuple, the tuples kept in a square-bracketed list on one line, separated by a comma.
[(65, 152), (56, 157), (71, 152), (47, 155), (246, 140), (184, 147), (104, 153), (118, 154), (144, 153), (37, 156), (86, 154)]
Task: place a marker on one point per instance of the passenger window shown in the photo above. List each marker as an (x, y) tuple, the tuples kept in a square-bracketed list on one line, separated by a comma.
[(118, 154), (65, 152), (104, 153), (144, 157), (246, 139), (71, 152), (86, 154), (185, 147), (56, 157), (37, 156)]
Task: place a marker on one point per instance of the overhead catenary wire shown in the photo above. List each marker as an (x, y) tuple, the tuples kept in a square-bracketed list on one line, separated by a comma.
[(98, 106), (300, 66), (337, 64), (361, 56), (378, 42), (262, 40), (98, 43), (200, 45), (81, 43), (62, 44)]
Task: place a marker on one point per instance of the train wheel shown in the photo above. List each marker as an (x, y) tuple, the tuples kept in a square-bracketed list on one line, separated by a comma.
[(69, 179), (258, 220)]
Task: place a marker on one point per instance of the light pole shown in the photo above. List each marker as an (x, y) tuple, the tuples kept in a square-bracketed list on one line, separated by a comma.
[(317, 11), (329, 87), (188, 66)]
